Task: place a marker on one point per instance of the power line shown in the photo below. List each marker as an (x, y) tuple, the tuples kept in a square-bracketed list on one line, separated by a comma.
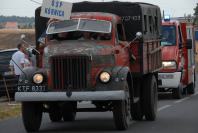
[(36, 2)]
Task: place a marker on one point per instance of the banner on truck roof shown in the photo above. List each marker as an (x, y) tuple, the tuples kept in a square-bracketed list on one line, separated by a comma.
[(56, 9)]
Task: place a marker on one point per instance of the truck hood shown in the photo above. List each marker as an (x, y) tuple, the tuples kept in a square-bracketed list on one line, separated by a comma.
[(78, 47), (169, 53), (99, 53)]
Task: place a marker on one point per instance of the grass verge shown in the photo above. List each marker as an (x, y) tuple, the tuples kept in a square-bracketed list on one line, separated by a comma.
[(9, 111)]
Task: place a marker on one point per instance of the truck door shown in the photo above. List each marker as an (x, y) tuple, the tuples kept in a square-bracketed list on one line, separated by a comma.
[(122, 56), (191, 54)]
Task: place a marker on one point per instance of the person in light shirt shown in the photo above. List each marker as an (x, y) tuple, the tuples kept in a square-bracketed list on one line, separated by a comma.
[(27, 62), (18, 60), (85, 36)]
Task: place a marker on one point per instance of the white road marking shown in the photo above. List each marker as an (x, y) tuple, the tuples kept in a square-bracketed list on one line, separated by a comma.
[(178, 101), (163, 107), (181, 100)]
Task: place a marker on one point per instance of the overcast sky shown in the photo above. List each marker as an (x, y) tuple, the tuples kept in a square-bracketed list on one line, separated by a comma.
[(176, 8)]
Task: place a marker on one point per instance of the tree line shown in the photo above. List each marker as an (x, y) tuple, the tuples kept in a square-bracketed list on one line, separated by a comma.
[(196, 14), (23, 22)]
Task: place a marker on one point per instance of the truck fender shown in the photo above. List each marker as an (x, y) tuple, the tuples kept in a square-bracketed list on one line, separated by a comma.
[(27, 74), (118, 76), (118, 72)]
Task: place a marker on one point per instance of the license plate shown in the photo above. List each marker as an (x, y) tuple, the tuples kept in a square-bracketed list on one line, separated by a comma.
[(31, 88), (165, 76)]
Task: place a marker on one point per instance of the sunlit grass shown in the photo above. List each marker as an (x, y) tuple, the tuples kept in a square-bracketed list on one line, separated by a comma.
[(13, 31), (8, 111)]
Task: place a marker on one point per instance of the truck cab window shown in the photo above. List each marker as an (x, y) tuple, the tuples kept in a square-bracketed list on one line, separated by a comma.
[(168, 35), (120, 32), (145, 24), (180, 37), (150, 24)]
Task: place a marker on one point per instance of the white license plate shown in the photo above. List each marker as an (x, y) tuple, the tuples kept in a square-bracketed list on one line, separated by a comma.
[(165, 76)]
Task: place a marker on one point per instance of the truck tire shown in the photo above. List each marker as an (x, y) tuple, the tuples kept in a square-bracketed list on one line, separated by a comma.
[(150, 97), (122, 113), (32, 116), (69, 111), (55, 113), (177, 92)]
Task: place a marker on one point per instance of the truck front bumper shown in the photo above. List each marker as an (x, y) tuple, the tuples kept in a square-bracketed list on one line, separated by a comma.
[(169, 80), (75, 96)]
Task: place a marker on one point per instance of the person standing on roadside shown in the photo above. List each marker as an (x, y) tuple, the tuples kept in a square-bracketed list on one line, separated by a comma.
[(17, 61)]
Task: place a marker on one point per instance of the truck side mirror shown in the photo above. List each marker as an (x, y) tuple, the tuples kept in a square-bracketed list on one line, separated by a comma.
[(138, 35), (189, 43), (30, 49)]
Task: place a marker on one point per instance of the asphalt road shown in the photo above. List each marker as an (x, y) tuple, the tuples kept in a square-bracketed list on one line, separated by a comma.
[(174, 116)]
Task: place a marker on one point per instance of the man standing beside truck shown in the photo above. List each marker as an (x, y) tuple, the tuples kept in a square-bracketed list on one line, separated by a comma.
[(18, 60)]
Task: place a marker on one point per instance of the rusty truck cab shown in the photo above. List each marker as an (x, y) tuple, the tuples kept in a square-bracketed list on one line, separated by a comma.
[(103, 51)]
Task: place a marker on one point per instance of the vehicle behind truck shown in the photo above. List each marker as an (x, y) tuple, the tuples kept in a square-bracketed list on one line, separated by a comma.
[(8, 80), (178, 55), (108, 53)]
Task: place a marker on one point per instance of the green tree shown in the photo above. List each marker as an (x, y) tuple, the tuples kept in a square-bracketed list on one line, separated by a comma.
[(196, 14)]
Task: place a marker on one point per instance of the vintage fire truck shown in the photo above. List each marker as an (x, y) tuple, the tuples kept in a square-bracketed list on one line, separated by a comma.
[(178, 58), (115, 67)]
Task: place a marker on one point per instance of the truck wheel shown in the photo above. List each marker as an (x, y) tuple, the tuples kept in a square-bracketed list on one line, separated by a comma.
[(177, 92), (150, 97), (122, 113), (55, 113), (32, 116), (69, 111)]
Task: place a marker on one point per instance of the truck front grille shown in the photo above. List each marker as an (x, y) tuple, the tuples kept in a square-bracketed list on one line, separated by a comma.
[(70, 72)]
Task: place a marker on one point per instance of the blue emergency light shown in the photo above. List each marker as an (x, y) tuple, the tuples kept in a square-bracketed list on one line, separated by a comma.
[(166, 18)]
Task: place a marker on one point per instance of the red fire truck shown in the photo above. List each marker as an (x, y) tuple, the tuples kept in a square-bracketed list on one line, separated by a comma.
[(178, 58)]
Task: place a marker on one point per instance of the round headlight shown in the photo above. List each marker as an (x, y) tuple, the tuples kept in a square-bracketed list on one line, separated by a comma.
[(105, 77), (38, 78)]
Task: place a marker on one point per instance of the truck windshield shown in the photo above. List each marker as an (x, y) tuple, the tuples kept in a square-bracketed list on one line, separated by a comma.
[(168, 35), (79, 25)]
